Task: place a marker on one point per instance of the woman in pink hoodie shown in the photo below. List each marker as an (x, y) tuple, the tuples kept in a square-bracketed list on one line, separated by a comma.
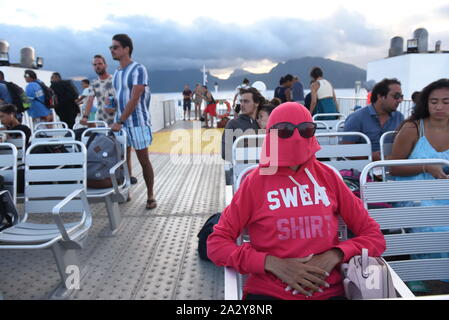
[(290, 207)]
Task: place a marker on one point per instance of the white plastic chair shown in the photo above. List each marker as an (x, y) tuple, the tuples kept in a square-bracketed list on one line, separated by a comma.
[(340, 154), (50, 125), (44, 196), (408, 215), (99, 124), (119, 192), (332, 124)]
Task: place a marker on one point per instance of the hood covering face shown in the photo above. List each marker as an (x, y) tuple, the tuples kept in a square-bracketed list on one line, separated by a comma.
[(293, 151)]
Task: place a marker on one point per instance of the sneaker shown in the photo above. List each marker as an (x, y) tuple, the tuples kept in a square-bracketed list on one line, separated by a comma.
[(133, 180)]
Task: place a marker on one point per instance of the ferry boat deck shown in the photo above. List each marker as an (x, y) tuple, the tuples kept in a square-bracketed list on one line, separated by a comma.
[(154, 254)]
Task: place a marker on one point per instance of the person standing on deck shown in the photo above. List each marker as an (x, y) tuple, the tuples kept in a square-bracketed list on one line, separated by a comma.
[(133, 97), (324, 99), (103, 90)]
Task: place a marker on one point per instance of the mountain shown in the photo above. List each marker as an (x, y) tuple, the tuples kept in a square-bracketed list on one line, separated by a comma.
[(341, 75), (239, 73)]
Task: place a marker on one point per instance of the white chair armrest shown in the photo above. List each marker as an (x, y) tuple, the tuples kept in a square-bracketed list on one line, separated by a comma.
[(399, 285), (231, 284), (57, 215), (112, 172)]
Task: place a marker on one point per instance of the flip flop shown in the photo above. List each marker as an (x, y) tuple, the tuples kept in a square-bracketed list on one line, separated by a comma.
[(151, 204)]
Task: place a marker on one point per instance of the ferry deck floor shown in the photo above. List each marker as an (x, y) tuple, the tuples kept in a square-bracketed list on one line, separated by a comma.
[(154, 255)]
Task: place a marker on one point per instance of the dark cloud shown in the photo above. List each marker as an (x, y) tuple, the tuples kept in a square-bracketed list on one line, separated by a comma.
[(165, 45)]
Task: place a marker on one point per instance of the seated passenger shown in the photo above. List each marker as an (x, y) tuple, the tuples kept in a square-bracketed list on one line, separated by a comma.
[(263, 114), (379, 117), (290, 207), (245, 123), (425, 135), (9, 120)]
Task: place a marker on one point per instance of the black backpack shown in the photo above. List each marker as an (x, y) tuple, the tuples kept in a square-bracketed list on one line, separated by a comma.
[(8, 211), (18, 96), (50, 100), (204, 233)]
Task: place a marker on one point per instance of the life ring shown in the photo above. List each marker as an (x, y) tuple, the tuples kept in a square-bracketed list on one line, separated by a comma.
[(228, 106)]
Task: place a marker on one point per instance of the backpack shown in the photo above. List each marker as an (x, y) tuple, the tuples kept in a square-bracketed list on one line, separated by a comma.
[(351, 177), (18, 96), (50, 100), (204, 233), (103, 152), (365, 277), (8, 211)]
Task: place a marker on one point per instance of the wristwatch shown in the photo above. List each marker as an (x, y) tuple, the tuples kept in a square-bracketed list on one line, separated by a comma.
[(121, 122)]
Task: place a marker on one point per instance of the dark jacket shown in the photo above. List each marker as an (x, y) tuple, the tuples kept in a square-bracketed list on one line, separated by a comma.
[(67, 94), (244, 123)]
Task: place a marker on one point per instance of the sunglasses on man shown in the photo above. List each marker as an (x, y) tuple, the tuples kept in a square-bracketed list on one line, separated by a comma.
[(286, 129), (114, 47), (398, 96)]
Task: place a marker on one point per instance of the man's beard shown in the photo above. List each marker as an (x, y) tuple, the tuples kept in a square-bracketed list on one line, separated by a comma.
[(101, 72)]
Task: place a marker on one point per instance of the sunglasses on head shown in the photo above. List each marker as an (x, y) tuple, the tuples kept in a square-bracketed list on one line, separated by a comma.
[(286, 129)]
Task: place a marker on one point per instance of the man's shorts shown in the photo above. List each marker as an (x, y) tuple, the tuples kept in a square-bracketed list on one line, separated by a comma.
[(187, 105), (139, 138)]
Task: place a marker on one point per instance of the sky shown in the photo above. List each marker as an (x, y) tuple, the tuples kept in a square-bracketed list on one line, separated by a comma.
[(225, 35)]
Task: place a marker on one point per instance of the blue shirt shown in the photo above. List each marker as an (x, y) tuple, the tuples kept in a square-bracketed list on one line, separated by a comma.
[(297, 91), (36, 95), (123, 81), (4, 93), (366, 121)]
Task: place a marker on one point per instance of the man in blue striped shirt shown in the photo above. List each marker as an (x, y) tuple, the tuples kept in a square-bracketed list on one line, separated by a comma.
[(133, 95)]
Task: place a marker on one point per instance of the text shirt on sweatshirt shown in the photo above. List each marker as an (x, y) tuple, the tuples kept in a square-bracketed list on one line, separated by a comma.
[(288, 215)]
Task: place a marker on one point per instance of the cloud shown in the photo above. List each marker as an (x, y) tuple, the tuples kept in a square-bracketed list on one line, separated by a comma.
[(444, 10), (166, 45)]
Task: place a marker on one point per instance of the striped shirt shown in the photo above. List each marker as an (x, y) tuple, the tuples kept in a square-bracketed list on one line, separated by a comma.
[(123, 81)]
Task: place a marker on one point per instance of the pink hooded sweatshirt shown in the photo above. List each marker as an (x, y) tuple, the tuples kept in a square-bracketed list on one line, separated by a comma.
[(291, 214)]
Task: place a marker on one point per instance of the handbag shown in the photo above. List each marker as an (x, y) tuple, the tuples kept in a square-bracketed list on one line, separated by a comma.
[(366, 277)]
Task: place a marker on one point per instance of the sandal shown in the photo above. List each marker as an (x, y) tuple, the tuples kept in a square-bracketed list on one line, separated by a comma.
[(151, 204)]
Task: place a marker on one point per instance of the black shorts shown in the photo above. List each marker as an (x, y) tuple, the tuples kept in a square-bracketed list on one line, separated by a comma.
[(187, 105)]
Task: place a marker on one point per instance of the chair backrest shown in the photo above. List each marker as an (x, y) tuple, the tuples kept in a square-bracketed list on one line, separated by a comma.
[(50, 135), (8, 168), (18, 139), (386, 144), (246, 152), (330, 123), (98, 124), (340, 126), (339, 155), (50, 177), (323, 127), (50, 125), (409, 211)]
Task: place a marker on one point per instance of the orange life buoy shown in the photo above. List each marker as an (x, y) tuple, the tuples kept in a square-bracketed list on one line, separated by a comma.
[(228, 106)]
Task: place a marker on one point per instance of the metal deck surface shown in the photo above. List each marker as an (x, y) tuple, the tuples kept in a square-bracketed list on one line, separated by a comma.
[(153, 256)]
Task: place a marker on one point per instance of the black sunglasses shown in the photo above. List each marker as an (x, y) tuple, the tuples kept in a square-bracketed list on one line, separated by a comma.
[(398, 96), (286, 129)]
